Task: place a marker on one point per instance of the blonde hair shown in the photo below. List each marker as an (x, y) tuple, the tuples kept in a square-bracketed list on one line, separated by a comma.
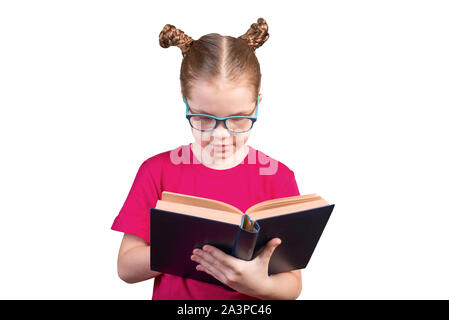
[(215, 56)]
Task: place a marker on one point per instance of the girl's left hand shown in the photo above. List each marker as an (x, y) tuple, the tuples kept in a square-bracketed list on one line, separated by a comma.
[(248, 277)]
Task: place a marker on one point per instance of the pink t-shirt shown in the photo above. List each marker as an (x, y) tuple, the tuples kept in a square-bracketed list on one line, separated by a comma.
[(257, 178)]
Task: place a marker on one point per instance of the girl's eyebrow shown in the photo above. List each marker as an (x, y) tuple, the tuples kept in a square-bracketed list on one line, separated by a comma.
[(235, 114)]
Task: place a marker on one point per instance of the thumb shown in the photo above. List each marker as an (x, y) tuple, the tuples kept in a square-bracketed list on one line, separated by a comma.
[(269, 249)]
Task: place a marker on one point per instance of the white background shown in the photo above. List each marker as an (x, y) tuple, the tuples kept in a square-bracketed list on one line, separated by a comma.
[(355, 100)]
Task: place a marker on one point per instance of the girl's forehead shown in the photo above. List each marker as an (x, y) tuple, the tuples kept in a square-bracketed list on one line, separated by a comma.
[(206, 94), (221, 87)]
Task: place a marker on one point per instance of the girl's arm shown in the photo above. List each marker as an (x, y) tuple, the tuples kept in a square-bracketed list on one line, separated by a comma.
[(133, 263), (284, 286)]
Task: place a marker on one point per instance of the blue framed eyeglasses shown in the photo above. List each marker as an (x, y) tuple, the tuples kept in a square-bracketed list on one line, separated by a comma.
[(206, 122)]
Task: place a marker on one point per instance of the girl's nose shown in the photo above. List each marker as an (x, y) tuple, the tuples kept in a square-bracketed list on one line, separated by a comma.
[(221, 131)]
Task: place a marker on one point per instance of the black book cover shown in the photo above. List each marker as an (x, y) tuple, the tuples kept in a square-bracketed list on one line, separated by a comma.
[(173, 237)]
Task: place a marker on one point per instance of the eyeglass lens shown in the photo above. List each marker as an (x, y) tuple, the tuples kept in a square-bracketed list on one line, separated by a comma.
[(234, 124)]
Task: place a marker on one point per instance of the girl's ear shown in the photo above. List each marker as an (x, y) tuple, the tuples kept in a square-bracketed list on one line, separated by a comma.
[(260, 97)]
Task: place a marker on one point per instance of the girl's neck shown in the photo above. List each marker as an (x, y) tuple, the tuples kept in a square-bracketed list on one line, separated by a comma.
[(219, 163)]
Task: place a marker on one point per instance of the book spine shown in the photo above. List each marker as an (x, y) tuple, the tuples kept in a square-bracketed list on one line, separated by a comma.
[(245, 242)]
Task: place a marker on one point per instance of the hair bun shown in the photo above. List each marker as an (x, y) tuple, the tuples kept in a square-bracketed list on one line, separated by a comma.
[(257, 34), (172, 36)]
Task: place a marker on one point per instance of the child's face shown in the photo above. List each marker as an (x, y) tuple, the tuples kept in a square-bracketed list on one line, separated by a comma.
[(221, 99)]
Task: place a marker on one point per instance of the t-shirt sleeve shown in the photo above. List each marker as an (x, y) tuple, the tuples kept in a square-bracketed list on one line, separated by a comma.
[(134, 217), (288, 185)]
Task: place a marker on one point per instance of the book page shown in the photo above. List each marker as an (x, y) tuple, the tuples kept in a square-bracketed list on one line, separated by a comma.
[(278, 211), (206, 213), (273, 203), (198, 202)]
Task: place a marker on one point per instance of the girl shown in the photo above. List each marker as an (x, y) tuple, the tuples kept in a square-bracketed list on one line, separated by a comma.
[(220, 78)]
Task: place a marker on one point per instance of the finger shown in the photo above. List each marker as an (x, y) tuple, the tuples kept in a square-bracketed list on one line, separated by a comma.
[(269, 249), (211, 252), (219, 278), (212, 270), (208, 261), (227, 272)]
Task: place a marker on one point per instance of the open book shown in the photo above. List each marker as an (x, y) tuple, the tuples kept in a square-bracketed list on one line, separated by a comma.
[(179, 223)]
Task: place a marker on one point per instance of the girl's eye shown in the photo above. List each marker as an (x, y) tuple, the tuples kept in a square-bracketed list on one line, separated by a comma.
[(239, 124), (202, 123)]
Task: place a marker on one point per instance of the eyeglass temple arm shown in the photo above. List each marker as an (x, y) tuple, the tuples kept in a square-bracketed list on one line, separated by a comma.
[(187, 106), (257, 108)]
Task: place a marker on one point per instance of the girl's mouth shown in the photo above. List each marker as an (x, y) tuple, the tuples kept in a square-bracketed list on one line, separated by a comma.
[(221, 147)]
